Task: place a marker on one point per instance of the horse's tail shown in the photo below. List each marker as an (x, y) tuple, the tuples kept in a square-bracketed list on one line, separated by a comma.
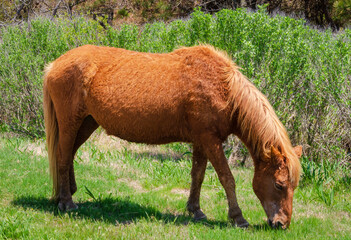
[(52, 136)]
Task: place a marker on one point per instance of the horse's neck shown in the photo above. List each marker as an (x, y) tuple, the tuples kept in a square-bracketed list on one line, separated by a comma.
[(251, 143), (256, 153), (254, 119)]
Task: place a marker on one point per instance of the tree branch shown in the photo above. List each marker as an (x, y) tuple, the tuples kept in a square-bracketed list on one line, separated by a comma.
[(54, 12)]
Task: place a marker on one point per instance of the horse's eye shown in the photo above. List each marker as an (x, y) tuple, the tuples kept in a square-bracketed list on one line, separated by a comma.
[(278, 186)]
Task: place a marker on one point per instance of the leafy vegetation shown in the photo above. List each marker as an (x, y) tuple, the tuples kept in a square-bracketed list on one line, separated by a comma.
[(304, 72), (323, 13), (132, 191)]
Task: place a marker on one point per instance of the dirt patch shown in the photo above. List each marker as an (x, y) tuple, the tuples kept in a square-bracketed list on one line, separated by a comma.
[(305, 211), (107, 142), (36, 148), (133, 184), (180, 191)]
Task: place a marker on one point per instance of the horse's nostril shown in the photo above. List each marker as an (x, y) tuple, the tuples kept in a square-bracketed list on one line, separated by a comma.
[(276, 225), (270, 222), (279, 225)]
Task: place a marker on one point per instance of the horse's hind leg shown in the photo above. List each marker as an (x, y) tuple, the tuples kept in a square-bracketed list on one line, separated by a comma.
[(197, 176), (67, 131), (88, 126)]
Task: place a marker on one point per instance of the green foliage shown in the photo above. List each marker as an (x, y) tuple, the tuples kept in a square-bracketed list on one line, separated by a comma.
[(123, 12), (304, 72), (324, 178), (342, 11), (24, 52)]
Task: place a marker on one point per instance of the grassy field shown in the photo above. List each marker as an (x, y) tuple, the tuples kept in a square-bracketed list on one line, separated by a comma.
[(133, 191)]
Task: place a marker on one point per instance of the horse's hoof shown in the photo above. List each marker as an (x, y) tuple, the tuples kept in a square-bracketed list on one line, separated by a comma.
[(199, 215), (241, 223), (68, 206)]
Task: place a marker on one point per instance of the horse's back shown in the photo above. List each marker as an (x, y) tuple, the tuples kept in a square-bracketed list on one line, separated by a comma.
[(136, 96)]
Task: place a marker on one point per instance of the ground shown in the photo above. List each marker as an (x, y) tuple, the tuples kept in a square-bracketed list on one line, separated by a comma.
[(130, 191)]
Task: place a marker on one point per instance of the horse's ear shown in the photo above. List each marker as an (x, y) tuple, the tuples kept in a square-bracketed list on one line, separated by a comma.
[(277, 155), (298, 151)]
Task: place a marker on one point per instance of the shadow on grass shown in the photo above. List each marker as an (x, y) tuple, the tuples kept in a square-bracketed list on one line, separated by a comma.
[(112, 210)]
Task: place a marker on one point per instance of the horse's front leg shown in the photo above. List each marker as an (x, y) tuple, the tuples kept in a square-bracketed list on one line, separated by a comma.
[(72, 180), (214, 150), (197, 176)]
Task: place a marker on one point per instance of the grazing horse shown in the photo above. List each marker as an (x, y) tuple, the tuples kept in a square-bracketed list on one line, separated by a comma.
[(193, 94)]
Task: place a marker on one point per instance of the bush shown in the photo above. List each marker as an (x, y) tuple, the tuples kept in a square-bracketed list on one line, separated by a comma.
[(24, 51), (305, 73)]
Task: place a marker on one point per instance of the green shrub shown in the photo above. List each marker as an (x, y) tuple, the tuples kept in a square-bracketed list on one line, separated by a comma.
[(305, 73), (24, 51)]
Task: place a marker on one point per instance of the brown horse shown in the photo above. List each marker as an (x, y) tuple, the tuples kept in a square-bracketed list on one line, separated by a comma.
[(194, 95)]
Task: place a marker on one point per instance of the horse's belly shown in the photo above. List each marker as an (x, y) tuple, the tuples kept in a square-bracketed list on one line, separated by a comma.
[(144, 130), (155, 123)]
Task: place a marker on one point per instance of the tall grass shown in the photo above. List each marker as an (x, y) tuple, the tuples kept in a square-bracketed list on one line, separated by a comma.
[(305, 72)]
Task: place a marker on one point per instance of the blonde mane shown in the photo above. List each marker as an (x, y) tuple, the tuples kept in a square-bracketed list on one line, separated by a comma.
[(256, 118)]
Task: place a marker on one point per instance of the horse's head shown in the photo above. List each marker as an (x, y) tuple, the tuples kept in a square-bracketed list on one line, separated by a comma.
[(274, 187)]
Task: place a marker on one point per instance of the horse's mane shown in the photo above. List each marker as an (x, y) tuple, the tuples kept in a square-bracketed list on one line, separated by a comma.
[(256, 117)]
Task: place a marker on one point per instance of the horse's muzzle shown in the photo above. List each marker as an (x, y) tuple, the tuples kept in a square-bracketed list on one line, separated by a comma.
[(277, 224)]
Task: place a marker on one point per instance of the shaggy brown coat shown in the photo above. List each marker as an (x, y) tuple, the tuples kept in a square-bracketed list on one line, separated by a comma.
[(194, 95)]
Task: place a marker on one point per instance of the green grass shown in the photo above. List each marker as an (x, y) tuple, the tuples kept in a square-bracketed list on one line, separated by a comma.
[(130, 191)]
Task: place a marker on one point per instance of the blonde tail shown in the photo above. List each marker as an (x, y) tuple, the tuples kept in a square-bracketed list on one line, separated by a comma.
[(52, 136)]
